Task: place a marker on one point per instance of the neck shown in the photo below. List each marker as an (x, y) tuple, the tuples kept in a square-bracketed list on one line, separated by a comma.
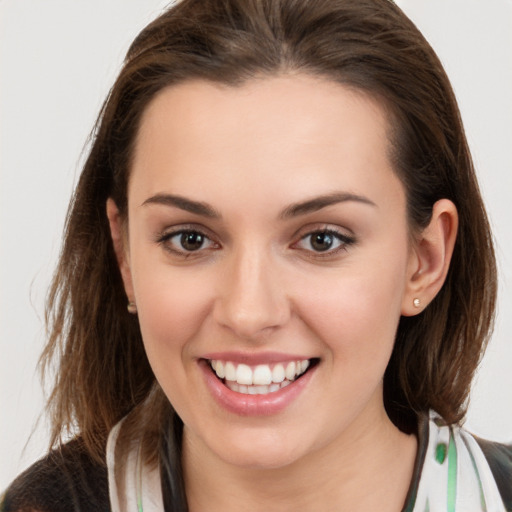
[(359, 471)]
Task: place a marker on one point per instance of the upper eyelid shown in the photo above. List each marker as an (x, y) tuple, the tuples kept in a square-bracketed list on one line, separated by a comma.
[(333, 231), (318, 227), (181, 228)]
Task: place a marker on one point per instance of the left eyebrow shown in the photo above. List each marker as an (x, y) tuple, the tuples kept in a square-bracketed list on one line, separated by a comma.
[(317, 203)]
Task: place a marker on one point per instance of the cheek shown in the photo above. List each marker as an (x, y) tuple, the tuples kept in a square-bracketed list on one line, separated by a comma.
[(172, 306), (356, 312), (172, 309)]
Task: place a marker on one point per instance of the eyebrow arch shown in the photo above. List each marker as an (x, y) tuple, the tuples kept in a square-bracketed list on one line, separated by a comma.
[(317, 203), (197, 207)]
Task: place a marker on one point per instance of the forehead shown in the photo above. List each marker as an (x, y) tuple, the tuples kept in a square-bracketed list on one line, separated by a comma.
[(281, 130), (278, 100)]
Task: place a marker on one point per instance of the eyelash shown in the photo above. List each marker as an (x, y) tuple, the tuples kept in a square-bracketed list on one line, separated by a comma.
[(344, 242), (165, 239)]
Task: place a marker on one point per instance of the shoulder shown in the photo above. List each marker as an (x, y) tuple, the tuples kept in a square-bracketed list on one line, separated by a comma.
[(455, 469), (66, 480), (499, 458)]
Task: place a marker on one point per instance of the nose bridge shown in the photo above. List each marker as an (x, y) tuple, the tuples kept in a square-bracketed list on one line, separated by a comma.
[(252, 300)]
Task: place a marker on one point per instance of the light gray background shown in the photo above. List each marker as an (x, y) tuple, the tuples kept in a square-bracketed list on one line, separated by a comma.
[(58, 59)]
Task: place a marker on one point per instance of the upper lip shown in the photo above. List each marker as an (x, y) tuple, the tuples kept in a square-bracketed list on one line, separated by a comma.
[(255, 358)]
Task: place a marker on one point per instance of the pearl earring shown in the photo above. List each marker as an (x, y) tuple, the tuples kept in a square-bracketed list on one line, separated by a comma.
[(416, 303), (132, 308)]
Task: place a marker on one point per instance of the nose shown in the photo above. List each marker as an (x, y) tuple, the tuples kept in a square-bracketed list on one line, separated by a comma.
[(251, 301)]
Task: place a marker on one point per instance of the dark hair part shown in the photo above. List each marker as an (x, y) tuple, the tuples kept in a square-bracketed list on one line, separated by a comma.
[(368, 45)]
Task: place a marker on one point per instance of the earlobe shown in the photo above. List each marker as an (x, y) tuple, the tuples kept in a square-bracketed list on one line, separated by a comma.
[(430, 258), (120, 246)]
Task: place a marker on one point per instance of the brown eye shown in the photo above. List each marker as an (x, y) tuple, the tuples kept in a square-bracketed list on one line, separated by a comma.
[(321, 241), (186, 241), (192, 240), (324, 241)]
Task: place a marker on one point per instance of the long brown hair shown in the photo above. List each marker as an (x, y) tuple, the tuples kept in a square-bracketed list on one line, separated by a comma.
[(369, 45)]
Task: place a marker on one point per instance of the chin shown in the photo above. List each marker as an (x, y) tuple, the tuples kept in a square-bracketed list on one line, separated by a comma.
[(258, 449), (271, 459)]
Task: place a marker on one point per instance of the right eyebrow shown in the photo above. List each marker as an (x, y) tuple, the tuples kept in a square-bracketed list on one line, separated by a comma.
[(188, 205)]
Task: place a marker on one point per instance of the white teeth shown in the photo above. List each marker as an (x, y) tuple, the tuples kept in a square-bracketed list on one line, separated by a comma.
[(256, 390), (219, 370), (261, 379), (233, 386), (262, 375), (230, 371), (278, 373), (290, 371), (243, 374)]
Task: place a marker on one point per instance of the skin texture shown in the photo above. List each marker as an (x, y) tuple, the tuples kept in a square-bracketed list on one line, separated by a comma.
[(257, 285)]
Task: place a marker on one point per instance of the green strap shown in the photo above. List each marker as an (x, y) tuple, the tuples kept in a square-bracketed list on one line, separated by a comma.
[(452, 475)]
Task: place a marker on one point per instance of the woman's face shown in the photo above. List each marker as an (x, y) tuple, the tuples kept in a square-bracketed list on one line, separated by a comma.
[(267, 232)]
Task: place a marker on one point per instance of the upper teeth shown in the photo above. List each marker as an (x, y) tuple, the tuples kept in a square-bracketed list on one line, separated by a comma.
[(260, 375)]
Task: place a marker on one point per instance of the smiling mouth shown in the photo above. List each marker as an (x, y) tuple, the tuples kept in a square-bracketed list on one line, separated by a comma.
[(261, 379)]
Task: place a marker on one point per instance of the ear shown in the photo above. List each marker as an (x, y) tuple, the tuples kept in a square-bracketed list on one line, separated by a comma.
[(430, 258), (119, 239)]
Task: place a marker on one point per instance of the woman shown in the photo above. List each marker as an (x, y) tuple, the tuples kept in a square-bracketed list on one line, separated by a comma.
[(269, 272)]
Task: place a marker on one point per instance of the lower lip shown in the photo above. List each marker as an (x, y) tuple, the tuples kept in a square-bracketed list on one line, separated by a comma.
[(253, 405)]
